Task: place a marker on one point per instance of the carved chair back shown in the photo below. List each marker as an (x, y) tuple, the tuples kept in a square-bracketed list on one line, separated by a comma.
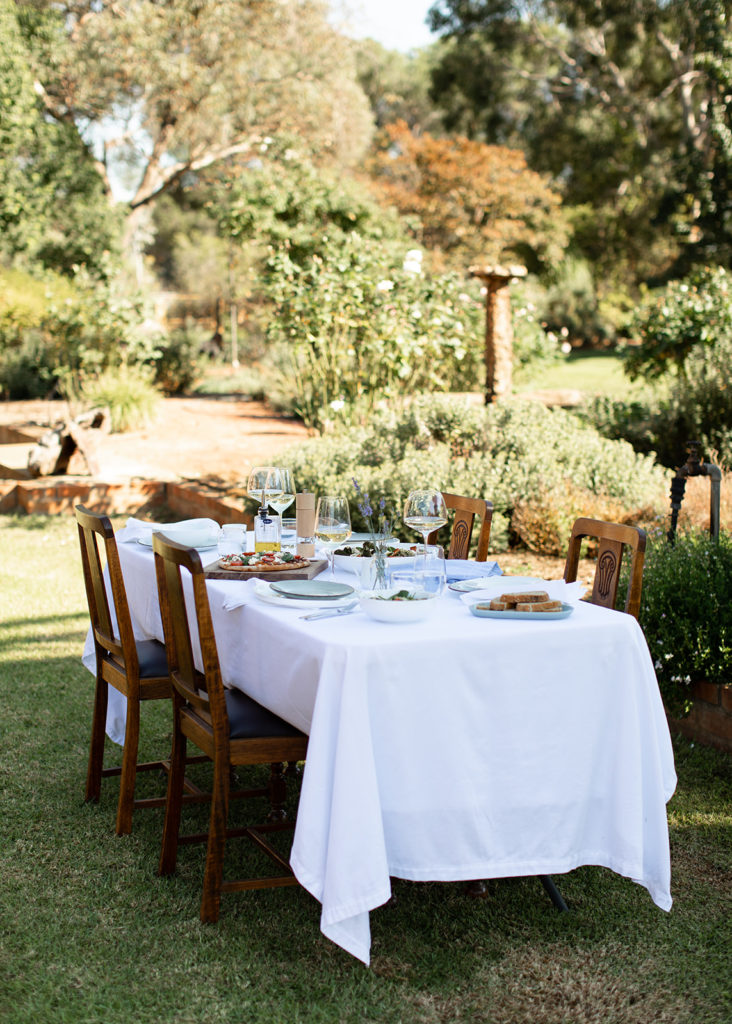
[(613, 539)]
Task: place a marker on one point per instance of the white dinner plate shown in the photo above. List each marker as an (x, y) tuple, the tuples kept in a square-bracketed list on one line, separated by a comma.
[(264, 592), (510, 613), (311, 590)]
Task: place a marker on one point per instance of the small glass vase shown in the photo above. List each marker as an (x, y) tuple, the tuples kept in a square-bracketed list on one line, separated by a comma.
[(378, 568)]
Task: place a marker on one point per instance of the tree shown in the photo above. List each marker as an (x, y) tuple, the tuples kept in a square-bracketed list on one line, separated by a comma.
[(174, 88), (627, 103), (473, 202), (52, 206), (397, 85)]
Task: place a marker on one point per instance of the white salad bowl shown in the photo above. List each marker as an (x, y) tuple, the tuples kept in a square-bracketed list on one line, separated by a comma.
[(376, 604)]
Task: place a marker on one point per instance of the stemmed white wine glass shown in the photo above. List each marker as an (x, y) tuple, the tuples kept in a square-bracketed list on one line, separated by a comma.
[(282, 491), (425, 511), (262, 485), (332, 524)]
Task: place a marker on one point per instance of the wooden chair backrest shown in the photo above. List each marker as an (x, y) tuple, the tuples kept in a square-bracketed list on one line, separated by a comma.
[(467, 510), (112, 632), (202, 691), (613, 538)]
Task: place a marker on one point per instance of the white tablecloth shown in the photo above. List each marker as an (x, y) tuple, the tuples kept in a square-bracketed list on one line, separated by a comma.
[(456, 748)]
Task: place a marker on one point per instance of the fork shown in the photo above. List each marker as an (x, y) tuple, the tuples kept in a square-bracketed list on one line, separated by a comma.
[(327, 612)]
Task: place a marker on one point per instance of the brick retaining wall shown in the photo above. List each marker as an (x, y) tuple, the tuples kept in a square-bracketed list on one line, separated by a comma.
[(710, 719)]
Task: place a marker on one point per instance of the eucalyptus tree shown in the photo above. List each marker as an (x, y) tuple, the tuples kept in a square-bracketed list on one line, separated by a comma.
[(626, 102), (52, 207), (169, 89)]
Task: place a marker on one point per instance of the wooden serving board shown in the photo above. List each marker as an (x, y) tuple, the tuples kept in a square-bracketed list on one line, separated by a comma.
[(308, 572)]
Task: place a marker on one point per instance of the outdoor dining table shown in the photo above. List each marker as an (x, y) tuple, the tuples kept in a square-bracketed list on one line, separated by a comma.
[(456, 748)]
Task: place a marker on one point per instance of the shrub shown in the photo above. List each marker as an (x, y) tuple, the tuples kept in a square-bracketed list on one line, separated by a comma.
[(177, 366), (544, 522), (686, 613), (506, 453), (128, 393), (351, 325), (686, 317)]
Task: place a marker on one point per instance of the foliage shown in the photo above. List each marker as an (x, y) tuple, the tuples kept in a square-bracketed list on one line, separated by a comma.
[(686, 315), (686, 612), (178, 364), (473, 202), (75, 331), (354, 326), (535, 350), (543, 522), (506, 453), (397, 85), (618, 956), (229, 75), (627, 104), (53, 212), (129, 394), (297, 206)]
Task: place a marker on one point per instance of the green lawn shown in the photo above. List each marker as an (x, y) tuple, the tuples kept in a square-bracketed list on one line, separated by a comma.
[(592, 372), (90, 935)]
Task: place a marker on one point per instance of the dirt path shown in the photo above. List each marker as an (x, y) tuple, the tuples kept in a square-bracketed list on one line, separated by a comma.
[(190, 438)]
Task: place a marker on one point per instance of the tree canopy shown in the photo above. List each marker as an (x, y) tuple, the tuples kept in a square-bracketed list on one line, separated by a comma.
[(626, 103), (173, 88), (472, 201)]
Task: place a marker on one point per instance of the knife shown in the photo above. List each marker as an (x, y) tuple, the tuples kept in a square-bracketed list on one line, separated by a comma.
[(327, 612)]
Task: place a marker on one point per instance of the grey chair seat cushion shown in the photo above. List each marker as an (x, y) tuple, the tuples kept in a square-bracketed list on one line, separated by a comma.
[(249, 720)]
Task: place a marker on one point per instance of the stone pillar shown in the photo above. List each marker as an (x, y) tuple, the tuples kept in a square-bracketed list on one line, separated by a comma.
[(498, 328)]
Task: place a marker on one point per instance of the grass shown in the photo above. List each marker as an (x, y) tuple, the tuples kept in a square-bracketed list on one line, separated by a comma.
[(592, 372), (90, 934)]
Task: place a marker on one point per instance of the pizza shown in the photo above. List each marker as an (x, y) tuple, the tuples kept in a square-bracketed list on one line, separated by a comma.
[(262, 561)]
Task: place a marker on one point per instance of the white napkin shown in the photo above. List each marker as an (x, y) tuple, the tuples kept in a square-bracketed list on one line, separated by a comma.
[(465, 569), (193, 533), (558, 590), (243, 593)]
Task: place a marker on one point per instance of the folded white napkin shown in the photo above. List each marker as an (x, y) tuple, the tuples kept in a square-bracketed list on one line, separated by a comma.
[(193, 533), (244, 593), (558, 590), (464, 569)]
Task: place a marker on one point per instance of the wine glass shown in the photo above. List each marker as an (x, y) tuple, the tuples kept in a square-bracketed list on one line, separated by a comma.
[(332, 524), (283, 493), (425, 511), (262, 485)]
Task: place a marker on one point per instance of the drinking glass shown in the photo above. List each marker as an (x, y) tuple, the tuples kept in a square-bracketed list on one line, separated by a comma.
[(332, 524), (425, 511), (428, 573), (283, 494)]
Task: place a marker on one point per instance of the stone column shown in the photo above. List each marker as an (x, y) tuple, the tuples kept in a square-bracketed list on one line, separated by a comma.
[(498, 328)]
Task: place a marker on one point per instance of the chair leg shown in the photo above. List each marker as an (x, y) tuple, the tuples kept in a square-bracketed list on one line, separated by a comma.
[(213, 875), (128, 774), (96, 747), (173, 805), (277, 788)]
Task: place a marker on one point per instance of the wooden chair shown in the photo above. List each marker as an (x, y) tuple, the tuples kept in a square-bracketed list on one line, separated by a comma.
[(138, 669), (467, 510), (227, 725), (614, 538)]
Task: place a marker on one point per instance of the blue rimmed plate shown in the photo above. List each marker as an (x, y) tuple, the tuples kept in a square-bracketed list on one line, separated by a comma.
[(488, 613)]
